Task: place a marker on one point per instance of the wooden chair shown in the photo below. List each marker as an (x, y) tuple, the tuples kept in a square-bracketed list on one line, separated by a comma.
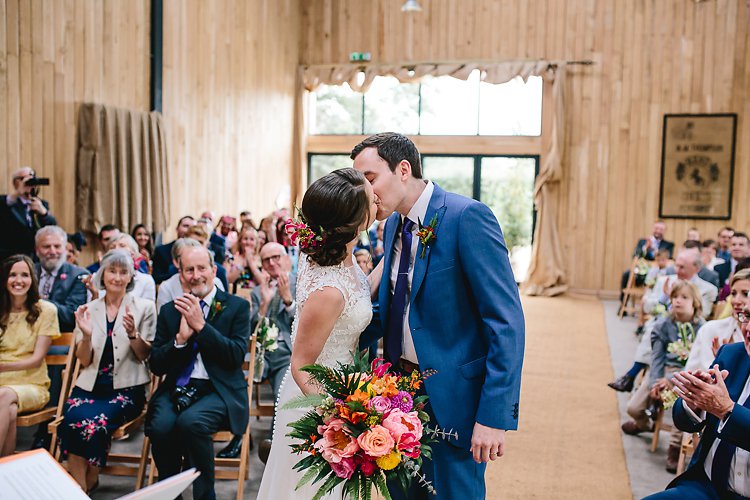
[(64, 360), (687, 448), (631, 294), (118, 464), (225, 468), (659, 426)]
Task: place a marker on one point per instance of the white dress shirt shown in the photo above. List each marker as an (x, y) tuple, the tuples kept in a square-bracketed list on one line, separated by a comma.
[(199, 369), (739, 468), (416, 214), (702, 354)]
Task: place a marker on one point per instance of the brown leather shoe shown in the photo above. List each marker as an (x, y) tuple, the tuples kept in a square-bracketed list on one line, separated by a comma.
[(673, 457), (631, 428), (622, 384)]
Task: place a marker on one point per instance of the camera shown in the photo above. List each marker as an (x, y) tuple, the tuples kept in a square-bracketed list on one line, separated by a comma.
[(34, 183), (184, 396)]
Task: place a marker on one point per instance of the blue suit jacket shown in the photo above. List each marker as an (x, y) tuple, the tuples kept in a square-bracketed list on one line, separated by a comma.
[(735, 359), (465, 316), (67, 294)]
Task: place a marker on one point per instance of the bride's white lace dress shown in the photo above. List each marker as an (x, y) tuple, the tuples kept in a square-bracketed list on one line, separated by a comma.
[(279, 479)]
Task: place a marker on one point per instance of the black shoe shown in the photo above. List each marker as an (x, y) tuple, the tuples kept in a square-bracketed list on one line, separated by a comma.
[(232, 450), (41, 442), (264, 449), (639, 331), (623, 384)]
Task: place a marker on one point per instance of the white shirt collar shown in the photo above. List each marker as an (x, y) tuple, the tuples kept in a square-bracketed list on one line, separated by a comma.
[(419, 210), (208, 299)]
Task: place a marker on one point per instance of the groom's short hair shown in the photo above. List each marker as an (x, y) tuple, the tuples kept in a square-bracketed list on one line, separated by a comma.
[(393, 148)]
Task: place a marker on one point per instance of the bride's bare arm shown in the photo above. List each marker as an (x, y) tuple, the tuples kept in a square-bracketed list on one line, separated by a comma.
[(374, 279), (316, 321)]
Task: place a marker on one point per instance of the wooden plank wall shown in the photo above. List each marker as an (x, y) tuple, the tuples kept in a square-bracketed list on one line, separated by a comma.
[(652, 57), (229, 84), (55, 54)]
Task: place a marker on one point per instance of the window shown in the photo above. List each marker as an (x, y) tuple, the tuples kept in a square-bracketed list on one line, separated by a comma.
[(505, 184), (437, 106)]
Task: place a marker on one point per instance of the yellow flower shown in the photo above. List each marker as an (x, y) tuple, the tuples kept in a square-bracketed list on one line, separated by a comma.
[(389, 461)]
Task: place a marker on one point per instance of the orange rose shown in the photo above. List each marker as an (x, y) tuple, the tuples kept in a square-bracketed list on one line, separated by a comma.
[(376, 442)]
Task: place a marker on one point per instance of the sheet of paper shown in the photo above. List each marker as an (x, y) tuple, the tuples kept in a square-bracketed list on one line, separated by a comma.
[(36, 475), (167, 489)]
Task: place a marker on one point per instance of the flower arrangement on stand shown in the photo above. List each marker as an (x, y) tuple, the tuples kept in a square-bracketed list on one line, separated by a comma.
[(266, 341), (368, 426)]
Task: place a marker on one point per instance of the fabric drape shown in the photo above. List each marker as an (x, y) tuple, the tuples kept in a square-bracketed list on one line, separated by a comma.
[(546, 274), (121, 169)]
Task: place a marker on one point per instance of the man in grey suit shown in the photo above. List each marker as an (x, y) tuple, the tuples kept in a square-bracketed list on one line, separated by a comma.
[(59, 283)]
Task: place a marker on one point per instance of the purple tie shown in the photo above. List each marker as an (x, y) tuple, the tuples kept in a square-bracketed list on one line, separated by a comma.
[(395, 332), (723, 461), (184, 377)]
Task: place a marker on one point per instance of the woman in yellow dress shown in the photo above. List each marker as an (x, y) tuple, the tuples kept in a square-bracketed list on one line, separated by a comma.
[(27, 327)]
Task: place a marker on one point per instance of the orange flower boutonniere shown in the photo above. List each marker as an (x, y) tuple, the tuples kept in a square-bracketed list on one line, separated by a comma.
[(427, 234)]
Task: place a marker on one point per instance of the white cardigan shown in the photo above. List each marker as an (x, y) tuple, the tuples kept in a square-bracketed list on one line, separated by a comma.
[(128, 370)]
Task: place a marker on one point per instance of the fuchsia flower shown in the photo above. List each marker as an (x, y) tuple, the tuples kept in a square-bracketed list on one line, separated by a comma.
[(345, 468), (368, 468), (379, 404), (380, 367), (300, 233), (403, 401), (336, 444)]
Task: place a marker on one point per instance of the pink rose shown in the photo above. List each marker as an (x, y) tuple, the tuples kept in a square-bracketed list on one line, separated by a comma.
[(398, 423), (368, 468), (380, 404), (376, 442), (336, 444), (345, 468), (408, 444)]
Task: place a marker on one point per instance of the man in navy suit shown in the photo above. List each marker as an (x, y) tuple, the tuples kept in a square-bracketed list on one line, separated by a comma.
[(739, 249), (163, 268), (716, 403), (200, 345), (59, 283), (22, 213), (449, 307)]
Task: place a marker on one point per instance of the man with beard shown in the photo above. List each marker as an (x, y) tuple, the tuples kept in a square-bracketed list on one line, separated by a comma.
[(59, 283), (200, 345)]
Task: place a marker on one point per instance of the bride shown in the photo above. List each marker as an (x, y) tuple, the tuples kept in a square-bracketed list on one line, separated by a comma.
[(334, 307)]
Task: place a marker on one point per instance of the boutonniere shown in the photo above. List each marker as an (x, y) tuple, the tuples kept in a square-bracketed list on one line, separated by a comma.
[(215, 309), (427, 234), (63, 276)]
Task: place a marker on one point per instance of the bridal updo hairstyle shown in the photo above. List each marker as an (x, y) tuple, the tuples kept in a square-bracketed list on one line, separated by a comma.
[(338, 204)]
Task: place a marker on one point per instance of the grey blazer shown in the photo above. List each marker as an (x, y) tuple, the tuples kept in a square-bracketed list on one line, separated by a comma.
[(129, 371)]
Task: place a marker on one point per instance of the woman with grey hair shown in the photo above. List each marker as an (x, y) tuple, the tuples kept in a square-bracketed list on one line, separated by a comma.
[(113, 341), (144, 285)]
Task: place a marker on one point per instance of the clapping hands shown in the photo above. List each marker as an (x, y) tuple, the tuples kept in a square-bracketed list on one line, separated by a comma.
[(83, 320), (705, 391), (189, 306), (128, 322)]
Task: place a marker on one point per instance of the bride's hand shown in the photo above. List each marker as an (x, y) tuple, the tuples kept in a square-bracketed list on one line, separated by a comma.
[(374, 279)]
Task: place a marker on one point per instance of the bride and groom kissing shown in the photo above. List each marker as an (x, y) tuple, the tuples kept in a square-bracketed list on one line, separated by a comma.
[(446, 304)]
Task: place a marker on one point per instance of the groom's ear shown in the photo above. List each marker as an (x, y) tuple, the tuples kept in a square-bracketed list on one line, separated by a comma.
[(403, 169)]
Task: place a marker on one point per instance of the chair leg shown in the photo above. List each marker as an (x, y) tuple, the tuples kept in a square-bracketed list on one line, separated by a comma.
[(243, 465), (657, 431), (145, 455)]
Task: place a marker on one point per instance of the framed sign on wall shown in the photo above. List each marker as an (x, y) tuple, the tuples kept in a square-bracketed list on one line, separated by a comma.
[(697, 166)]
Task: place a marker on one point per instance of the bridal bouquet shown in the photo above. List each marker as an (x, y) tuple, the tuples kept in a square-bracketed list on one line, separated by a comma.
[(368, 426)]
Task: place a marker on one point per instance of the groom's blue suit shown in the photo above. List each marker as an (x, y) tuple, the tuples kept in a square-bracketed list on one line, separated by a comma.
[(468, 330)]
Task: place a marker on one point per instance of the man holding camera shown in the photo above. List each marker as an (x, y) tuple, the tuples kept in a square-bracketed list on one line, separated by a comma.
[(200, 345), (22, 213)]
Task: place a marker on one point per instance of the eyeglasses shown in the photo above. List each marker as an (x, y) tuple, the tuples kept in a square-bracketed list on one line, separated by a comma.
[(272, 258), (743, 317)]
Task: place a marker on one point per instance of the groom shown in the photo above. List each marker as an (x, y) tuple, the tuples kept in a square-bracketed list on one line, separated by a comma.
[(449, 307)]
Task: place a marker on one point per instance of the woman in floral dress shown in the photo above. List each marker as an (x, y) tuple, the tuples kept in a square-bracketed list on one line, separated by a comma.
[(113, 340)]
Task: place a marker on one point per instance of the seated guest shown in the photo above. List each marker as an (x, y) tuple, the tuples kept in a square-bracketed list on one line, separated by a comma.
[(686, 267), (73, 247), (107, 233), (646, 248), (223, 238), (740, 249), (364, 260), (59, 283), (145, 245), (175, 287), (243, 269), (199, 234), (716, 403), (274, 299), (685, 313), (724, 239), (704, 273), (715, 334), (693, 234), (144, 286), (27, 327), (162, 265), (201, 342), (113, 336), (22, 213), (246, 219), (708, 254)]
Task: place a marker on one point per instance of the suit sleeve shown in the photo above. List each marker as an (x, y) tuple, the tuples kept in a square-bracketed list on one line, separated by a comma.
[(374, 330), (658, 351), (229, 351), (255, 299), (484, 260), (164, 355), (683, 421), (75, 298), (147, 327), (737, 427), (47, 219), (161, 265)]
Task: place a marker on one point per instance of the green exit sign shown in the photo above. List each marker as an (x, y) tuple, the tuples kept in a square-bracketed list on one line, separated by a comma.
[(360, 56)]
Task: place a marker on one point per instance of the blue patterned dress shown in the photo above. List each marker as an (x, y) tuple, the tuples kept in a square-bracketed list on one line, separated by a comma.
[(92, 417)]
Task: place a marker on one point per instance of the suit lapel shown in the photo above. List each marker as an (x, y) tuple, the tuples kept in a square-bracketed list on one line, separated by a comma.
[(219, 298), (436, 206), (384, 292), (98, 312), (741, 373), (19, 212)]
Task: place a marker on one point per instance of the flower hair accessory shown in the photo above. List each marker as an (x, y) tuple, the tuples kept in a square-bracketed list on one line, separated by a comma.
[(300, 233)]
